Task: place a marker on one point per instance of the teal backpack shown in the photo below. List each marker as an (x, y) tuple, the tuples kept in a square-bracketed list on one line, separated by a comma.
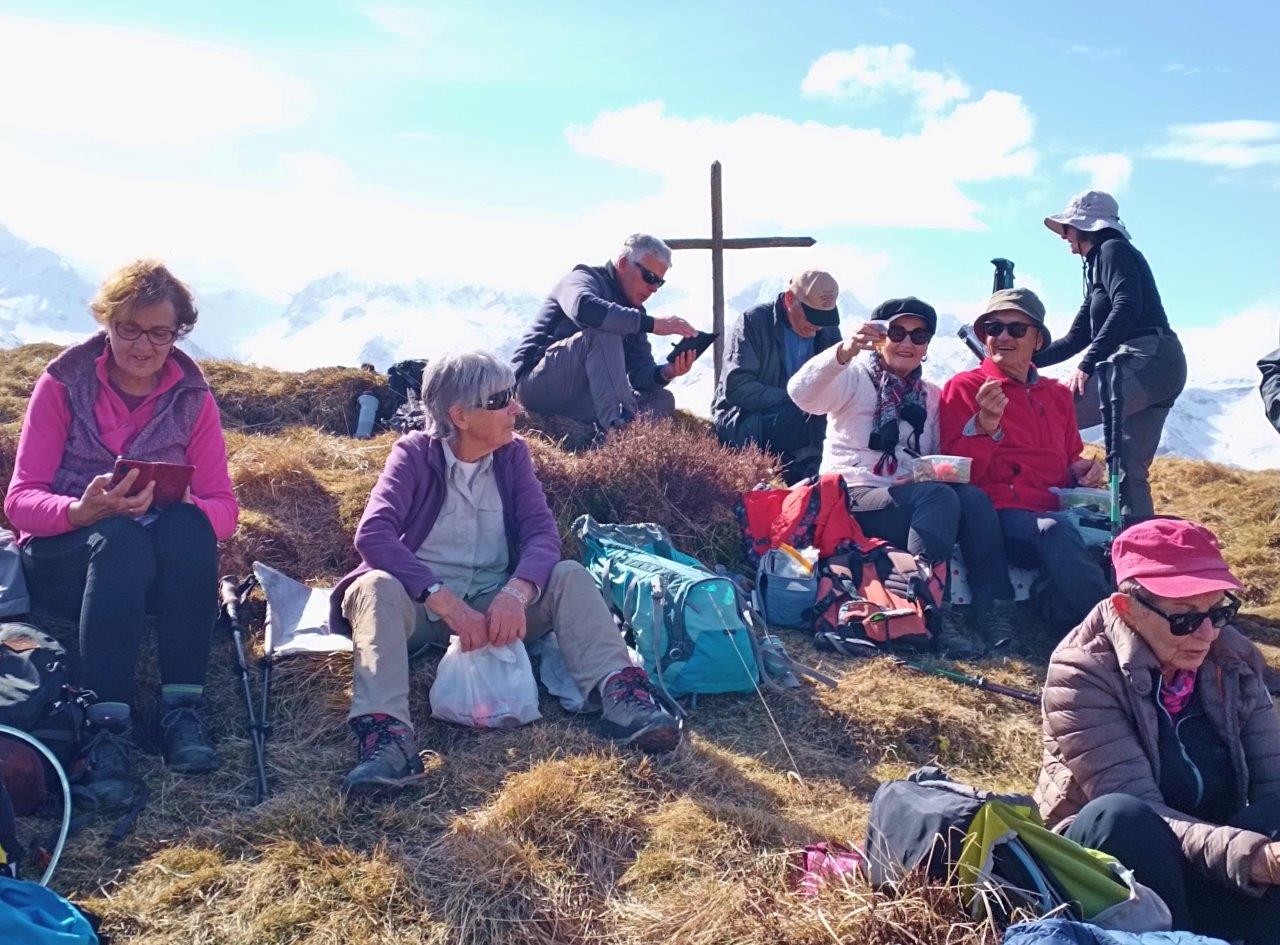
[(697, 642)]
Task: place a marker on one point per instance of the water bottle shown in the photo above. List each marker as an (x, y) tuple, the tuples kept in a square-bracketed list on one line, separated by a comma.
[(368, 402)]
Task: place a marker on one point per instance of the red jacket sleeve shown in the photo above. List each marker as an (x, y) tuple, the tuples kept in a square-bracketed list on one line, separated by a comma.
[(958, 406)]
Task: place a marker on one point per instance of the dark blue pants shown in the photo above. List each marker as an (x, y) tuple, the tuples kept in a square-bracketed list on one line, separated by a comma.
[(1131, 831), (929, 518), (1050, 540), (113, 573)]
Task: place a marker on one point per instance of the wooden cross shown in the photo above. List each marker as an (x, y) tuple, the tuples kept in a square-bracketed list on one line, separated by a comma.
[(718, 244)]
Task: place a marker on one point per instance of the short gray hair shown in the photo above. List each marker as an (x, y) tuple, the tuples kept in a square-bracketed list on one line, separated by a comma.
[(639, 245), (464, 379)]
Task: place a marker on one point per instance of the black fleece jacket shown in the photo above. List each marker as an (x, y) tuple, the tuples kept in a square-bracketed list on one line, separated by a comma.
[(1120, 303), (591, 297)]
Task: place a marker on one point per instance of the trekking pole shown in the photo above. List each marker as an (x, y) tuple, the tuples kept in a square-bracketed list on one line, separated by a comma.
[(1004, 274), (966, 334), (974, 682), (1111, 394), (229, 597)]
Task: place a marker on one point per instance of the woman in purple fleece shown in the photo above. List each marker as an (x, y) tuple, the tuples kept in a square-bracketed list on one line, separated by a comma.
[(457, 539)]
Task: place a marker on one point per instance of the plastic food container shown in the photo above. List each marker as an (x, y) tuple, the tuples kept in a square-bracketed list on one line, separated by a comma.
[(1097, 500), (942, 469)]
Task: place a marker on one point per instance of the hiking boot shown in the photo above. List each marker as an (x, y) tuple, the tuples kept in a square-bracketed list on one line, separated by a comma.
[(102, 773), (630, 713), (995, 623), (184, 739), (955, 641), (388, 758)]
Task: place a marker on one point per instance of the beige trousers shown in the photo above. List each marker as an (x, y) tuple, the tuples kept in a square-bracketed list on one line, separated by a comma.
[(384, 619)]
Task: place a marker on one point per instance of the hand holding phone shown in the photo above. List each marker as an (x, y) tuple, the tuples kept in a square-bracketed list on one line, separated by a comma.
[(696, 343), (170, 481)]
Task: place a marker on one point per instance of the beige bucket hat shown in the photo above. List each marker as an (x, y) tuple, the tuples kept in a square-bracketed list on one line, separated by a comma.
[(1089, 212)]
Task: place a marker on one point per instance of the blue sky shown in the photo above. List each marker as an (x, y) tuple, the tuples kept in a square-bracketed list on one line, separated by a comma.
[(267, 144)]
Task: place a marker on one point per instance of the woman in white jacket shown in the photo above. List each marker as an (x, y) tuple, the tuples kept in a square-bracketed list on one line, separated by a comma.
[(881, 415)]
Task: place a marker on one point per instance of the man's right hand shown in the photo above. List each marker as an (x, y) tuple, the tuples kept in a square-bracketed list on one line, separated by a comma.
[(101, 500), (991, 404), (673, 325)]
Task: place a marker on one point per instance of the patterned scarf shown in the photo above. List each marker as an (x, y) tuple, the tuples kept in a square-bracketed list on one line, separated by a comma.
[(897, 399), (1175, 695)]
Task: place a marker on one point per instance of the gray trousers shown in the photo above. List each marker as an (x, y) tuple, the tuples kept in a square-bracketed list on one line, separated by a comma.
[(386, 624), (1151, 378), (1050, 540), (585, 378)]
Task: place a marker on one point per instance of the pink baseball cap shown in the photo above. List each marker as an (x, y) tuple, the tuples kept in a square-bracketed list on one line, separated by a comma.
[(1172, 558)]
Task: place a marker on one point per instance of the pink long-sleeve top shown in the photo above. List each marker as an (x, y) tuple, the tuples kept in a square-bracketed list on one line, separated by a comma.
[(38, 512)]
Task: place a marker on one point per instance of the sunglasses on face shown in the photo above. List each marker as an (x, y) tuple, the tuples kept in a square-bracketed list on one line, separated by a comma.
[(651, 277), (918, 336), (995, 329), (499, 400), (157, 336), (1181, 625)]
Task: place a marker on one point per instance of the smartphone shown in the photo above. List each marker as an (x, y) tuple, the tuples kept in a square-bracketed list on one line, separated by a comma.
[(698, 344), (171, 479)]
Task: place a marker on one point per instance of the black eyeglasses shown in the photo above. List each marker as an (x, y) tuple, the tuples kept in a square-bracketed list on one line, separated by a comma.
[(499, 400), (1181, 625), (919, 336), (650, 276), (157, 336), (995, 329)]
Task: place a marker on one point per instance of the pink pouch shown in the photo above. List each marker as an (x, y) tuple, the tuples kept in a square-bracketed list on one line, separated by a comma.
[(817, 863)]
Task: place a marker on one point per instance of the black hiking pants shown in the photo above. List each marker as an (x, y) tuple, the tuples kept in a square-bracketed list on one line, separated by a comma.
[(928, 518), (1074, 581), (111, 574), (1131, 831)]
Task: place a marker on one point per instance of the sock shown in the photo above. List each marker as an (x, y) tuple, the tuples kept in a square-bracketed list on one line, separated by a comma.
[(173, 695)]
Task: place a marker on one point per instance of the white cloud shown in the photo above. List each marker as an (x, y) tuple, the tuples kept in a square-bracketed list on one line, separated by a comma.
[(1109, 172), (1235, 144), (1096, 53), (804, 175), (1181, 69), (870, 72), (130, 87), (405, 23)]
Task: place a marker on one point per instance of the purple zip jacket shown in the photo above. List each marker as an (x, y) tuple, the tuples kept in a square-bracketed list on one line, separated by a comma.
[(406, 502)]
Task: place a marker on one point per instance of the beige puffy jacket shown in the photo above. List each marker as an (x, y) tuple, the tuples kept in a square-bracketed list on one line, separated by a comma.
[(1100, 735)]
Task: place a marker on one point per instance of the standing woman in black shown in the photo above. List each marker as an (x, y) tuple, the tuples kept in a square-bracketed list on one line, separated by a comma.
[(1121, 313)]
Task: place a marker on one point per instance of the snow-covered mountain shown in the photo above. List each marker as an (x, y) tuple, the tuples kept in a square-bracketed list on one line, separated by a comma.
[(41, 297), (345, 319)]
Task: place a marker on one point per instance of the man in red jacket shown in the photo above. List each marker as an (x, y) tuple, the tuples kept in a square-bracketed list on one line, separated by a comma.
[(1020, 430)]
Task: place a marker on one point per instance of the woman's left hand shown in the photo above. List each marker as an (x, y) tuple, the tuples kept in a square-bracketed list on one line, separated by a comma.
[(1077, 381), (186, 497)]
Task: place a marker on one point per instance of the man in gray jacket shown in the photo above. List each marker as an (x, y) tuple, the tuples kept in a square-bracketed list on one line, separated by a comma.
[(587, 354), (767, 346)]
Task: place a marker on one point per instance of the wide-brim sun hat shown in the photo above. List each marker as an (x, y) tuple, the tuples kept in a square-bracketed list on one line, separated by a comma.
[(1089, 212)]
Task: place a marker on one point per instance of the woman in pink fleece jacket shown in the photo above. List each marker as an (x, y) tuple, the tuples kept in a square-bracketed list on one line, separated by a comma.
[(94, 553)]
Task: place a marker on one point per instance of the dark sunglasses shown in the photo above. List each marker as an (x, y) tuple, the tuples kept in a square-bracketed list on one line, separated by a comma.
[(499, 400), (650, 276), (1181, 625), (995, 329), (919, 336)]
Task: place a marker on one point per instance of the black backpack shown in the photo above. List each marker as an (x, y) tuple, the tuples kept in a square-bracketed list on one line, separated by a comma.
[(36, 694)]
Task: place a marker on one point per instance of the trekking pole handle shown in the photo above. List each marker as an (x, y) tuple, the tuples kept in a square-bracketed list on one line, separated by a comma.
[(229, 598)]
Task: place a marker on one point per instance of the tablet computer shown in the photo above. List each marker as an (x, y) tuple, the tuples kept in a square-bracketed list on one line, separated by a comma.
[(171, 479), (698, 344)]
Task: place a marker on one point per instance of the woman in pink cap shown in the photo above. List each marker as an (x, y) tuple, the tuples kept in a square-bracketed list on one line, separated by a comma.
[(1161, 744)]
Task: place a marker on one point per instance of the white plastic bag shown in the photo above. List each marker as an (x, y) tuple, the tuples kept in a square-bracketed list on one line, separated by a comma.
[(492, 687)]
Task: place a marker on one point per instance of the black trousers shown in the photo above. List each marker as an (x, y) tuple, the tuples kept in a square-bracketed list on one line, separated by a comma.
[(796, 437), (113, 573), (928, 518), (1051, 541), (1131, 831)]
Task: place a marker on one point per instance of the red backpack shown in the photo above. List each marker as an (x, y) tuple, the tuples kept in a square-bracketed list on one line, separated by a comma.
[(868, 591)]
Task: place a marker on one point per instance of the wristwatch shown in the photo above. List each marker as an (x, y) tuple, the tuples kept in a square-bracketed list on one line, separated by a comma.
[(430, 589)]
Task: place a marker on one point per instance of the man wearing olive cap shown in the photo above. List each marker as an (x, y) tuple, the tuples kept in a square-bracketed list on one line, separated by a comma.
[(767, 346)]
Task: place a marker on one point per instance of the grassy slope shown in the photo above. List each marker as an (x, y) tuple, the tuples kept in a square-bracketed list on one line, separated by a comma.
[(545, 834)]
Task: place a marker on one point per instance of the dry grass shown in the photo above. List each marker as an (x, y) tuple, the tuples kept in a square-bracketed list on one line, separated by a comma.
[(546, 834)]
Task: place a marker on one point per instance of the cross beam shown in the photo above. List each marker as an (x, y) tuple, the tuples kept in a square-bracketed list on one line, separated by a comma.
[(718, 244)]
